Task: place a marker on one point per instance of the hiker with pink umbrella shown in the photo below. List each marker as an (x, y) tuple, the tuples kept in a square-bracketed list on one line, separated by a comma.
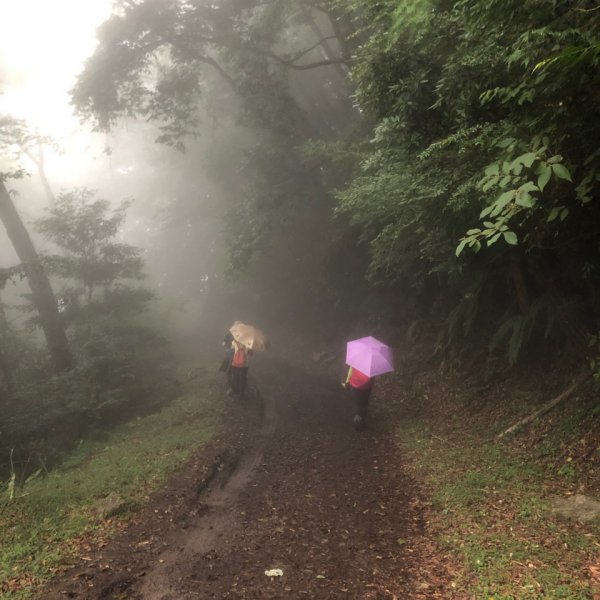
[(367, 357)]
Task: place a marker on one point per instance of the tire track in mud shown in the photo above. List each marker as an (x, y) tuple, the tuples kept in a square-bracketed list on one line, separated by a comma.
[(219, 521)]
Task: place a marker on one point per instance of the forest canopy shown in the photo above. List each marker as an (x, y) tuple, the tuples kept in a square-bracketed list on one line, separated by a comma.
[(339, 161), (456, 142)]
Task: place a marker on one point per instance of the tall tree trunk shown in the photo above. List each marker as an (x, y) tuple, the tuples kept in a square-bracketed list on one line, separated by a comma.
[(5, 368), (41, 291)]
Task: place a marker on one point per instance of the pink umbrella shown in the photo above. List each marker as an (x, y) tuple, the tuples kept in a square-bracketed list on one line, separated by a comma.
[(369, 356)]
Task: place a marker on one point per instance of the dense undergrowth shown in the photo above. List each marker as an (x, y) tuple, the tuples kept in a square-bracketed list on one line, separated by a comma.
[(57, 515)]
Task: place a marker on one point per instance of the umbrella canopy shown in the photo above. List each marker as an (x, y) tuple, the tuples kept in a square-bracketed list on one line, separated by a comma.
[(249, 336), (369, 356)]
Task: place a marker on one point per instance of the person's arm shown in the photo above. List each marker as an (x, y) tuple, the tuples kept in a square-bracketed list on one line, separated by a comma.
[(348, 377)]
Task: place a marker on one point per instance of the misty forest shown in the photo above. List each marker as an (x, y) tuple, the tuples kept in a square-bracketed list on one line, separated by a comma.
[(299, 299)]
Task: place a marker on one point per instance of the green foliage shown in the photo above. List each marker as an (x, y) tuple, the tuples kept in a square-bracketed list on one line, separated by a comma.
[(85, 231), (11, 274), (460, 109), (95, 267), (120, 363), (155, 61), (481, 108), (245, 66), (50, 511), (520, 180), (515, 332)]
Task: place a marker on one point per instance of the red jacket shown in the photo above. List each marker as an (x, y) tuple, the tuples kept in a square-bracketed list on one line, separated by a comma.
[(240, 355), (359, 380)]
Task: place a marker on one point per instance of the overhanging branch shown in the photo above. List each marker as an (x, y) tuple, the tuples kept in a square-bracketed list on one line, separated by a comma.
[(213, 63), (315, 65), (304, 52)]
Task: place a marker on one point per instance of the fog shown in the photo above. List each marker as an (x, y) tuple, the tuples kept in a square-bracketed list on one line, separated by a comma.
[(187, 197), (124, 163), (299, 165), (399, 203)]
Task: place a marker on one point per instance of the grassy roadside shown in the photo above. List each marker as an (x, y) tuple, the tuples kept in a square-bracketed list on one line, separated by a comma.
[(44, 525), (489, 512)]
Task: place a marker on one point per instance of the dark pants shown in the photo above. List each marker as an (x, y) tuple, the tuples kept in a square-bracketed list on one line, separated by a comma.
[(361, 401), (226, 367), (239, 375)]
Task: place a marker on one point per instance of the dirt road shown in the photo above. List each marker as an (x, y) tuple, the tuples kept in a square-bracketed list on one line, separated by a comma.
[(288, 485)]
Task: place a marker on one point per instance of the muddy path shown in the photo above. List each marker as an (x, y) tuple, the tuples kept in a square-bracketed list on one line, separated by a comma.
[(288, 485)]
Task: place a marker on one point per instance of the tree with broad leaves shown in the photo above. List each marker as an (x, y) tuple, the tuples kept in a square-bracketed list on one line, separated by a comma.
[(85, 230)]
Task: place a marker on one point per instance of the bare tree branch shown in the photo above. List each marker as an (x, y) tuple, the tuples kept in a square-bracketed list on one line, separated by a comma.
[(315, 65), (585, 374), (304, 52), (328, 51), (213, 63)]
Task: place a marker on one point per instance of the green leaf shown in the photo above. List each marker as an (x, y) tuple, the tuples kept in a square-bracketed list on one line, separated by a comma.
[(493, 239), (526, 159), (492, 169), (554, 213), (583, 189), (561, 172), (486, 211), (506, 142), (529, 186), (504, 199), (473, 231), (461, 246), (544, 178), (525, 200), (564, 213), (510, 237), (491, 182)]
